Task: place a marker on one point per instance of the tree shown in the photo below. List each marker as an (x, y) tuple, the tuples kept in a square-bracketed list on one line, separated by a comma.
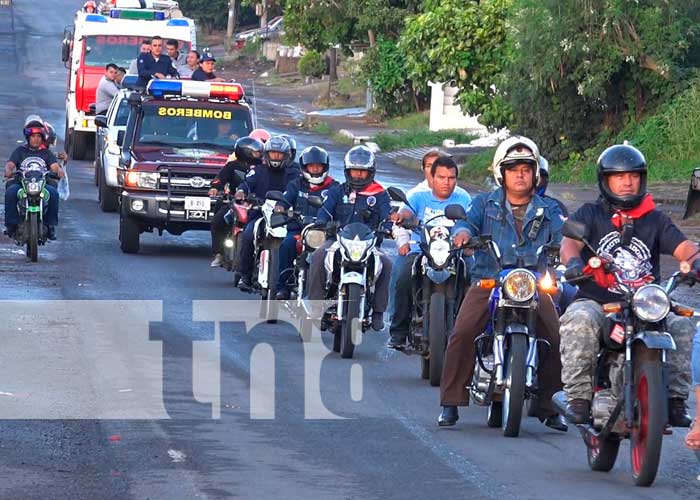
[(464, 41), (591, 66)]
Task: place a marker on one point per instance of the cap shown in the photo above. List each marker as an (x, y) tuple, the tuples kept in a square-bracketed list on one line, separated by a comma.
[(207, 56)]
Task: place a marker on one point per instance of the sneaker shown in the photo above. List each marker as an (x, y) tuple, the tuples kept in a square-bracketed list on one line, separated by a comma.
[(396, 342), (378, 321), (218, 261), (245, 284)]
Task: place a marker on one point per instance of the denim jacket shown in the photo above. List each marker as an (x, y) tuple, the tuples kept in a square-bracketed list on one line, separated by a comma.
[(488, 215)]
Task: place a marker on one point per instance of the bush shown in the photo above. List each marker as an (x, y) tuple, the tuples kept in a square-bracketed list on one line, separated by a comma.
[(385, 68), (312, 64)]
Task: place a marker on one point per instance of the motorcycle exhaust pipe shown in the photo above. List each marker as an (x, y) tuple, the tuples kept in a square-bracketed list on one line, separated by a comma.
[(559, 400)]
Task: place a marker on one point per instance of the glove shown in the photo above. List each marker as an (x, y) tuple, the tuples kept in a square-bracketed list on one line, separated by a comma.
[(574, 269)]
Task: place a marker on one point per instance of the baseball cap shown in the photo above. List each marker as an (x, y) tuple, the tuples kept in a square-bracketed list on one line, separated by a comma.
[(207, 56)]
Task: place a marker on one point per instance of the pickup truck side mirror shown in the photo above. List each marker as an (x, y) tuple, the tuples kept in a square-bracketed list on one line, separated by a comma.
[(120, 136), (101, 121)]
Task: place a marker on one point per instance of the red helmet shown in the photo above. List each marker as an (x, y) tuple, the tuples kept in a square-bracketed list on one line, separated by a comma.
[(90, 4), (260, 134)]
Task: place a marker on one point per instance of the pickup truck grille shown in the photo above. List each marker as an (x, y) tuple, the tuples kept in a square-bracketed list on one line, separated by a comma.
[(186, 183)]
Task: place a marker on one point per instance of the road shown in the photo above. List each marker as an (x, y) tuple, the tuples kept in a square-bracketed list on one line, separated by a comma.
[(110, 387)]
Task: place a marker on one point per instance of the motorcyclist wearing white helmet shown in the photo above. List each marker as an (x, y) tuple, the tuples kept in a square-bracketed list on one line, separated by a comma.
[(519, 220)]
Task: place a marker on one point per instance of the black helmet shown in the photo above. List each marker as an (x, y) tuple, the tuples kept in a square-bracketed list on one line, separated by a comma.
[(278, 144), (617, 159), (249, 150), (292, 145), (360, 158), (310, 155)]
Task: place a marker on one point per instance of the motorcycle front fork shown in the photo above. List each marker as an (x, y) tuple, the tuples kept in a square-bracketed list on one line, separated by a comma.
[(499, 348)]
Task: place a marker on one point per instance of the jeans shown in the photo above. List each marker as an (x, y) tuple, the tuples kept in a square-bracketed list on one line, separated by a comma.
[(12, 214), (248, 249), (695, 358), (402, 293), (395, 269)]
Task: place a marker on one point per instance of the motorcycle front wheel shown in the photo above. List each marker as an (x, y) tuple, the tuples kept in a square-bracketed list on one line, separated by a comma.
[(352, 320), (437, 336), (33, 237), (648, 428), (514, 393)]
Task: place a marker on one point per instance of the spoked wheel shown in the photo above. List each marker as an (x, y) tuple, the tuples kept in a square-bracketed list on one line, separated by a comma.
[(602, 453), (647, 432), (514, 393)]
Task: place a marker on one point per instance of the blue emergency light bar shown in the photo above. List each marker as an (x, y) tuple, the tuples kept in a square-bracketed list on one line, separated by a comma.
[(191, 88), (178, 22), (95, 18), (130, 82)]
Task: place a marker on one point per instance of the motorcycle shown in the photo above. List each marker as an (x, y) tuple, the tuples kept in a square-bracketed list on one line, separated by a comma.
[(269, 231), (508, 352), (352, 264), (237, 218), (630, 399), (32, 201), (439, 279)]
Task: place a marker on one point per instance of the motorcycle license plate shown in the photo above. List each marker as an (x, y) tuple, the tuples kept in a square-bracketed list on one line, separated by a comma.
[(197, 203)]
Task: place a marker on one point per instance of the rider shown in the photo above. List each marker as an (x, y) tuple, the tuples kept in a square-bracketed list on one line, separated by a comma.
[(90, 7), (625, 228), (358, 199), (314, 181), (31, 155), (293, 147), (275, 174), (260, 134), (425, 205), (544, 182), (518, 220), (247, 153)]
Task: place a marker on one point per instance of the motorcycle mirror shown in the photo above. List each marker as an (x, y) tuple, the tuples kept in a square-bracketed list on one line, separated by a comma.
[(277, 220), (315, 201), (455, 212), (410, 223), (575, 230), (692, 202), (101, 121), (275, 195), (397, 195)]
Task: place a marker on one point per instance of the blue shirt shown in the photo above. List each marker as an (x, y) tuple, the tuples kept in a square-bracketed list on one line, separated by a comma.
[(489, 214), (426, 206)]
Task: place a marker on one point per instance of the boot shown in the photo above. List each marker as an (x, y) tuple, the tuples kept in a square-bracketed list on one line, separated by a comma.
[(578, 411), (448, 417), (377, 321), (678, 413)]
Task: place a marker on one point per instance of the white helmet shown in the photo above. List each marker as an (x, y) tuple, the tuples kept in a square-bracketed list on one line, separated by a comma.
[(544, 165), (516, 149)]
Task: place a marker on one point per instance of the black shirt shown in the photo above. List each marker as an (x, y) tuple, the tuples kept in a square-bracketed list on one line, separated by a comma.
[(148, 66), (202, 76), (638, 263), (25, 158), (225, 175)]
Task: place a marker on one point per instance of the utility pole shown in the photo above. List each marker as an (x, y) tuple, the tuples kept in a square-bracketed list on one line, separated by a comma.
[(231, 24), (263, 15)]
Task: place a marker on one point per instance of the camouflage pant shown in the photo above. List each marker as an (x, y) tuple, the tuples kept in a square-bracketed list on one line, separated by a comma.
[(579, 347)]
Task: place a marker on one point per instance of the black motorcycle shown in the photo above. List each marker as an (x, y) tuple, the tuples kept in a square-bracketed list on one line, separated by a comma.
[(630, 399), (439, 279)]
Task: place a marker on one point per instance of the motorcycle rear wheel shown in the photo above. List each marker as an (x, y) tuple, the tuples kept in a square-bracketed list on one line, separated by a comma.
[(602, 454), (646, 437)]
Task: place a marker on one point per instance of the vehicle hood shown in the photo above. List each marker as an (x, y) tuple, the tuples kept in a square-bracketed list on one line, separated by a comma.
[(190, 155)]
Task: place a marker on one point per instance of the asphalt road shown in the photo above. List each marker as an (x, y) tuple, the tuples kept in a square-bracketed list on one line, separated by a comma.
[(109, 386)]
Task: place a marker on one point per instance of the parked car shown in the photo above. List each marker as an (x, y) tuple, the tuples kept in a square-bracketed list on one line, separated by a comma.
[(274, 28)]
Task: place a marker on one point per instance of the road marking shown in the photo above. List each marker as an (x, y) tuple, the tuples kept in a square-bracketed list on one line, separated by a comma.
[(176, 456)]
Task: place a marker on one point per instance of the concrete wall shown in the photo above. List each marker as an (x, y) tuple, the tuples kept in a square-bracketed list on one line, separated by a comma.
[(445, 114)]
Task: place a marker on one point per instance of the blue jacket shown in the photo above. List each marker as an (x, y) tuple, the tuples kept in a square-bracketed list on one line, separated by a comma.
[(299, 190), (344, 205), (262, 179), (488, 215), (148, 66)]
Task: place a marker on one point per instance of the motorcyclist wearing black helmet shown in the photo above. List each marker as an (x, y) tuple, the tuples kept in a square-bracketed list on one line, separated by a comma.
[(626, 229), (247, 154), (274, 174), (33, 154), (359, 199), (314, 181)]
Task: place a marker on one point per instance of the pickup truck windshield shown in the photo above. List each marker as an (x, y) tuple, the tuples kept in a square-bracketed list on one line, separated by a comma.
[(185, 124)]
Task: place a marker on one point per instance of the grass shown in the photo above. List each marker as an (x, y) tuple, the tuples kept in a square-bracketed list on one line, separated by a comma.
[(410, 121), (418, 136)]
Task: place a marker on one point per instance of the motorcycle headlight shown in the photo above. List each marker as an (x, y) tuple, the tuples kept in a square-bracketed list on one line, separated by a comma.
[(651, 303), (355, 249), (148, 180), (439, 251), (314, 238), (520, 285), (34, 187)]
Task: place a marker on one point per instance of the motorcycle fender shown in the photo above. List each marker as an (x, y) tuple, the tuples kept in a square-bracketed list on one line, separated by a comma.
[(656, 340), (516, 328), (352, 277), (33, 209), (256, 226), (277, 232), (438, 276), (262, 270)]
